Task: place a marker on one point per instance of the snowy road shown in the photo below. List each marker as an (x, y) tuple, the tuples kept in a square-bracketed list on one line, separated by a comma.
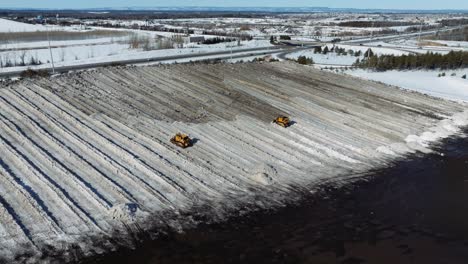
[(239, 53)]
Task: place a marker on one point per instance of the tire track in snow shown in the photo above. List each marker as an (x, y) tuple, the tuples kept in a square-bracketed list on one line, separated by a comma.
[(45, 157), (174, 157), (38, 114), (114, 147), (10, 153), (171, 168), (8, 214), (80, 142)]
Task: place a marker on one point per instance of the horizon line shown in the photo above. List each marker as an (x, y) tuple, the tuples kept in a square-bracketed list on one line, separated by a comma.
[(227, 8)]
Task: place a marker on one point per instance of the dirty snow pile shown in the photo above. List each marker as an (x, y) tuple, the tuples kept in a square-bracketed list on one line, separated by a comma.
[(85, 157)]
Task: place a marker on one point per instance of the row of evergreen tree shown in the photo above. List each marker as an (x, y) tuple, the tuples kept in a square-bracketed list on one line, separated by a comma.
[(337, 50), (217, 40), (305, 60), (452, 60)]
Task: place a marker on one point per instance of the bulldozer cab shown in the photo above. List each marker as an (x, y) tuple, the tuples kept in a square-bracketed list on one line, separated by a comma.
[(181, 140), (282, 121)]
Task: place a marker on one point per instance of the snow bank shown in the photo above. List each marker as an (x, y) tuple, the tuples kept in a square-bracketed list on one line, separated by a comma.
[(443, 129)]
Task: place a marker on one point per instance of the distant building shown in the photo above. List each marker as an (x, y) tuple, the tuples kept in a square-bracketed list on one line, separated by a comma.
[(195, 39), (40, 19)]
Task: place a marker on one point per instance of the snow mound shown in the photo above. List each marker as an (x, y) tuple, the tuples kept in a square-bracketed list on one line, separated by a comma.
[(128, 212), (443, 129), (386, 150), (264, 174)]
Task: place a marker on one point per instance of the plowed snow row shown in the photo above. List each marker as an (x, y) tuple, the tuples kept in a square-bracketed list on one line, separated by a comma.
[(83, 154)]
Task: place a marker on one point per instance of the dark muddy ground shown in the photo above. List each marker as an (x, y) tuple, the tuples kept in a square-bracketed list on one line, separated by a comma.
[(415, 212)]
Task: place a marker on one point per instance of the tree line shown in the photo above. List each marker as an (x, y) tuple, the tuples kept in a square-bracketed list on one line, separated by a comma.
[(453, 22), (338, 50), (452, 60), (237, 35), (459, 34), (305, 60), (368, 24), (217, 40)]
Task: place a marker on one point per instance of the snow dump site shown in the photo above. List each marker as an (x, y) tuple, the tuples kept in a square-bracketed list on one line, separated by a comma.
[(87, 156)]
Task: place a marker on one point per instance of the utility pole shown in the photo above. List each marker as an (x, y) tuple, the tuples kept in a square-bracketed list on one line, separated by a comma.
[(369, 49), (420, 29), (50, 50), (368, 57), (231, 50), (460, 29), (232, 37)]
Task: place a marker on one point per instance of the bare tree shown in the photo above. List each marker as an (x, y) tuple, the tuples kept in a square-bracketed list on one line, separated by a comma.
[(7, 61), (62, 54), (178, 40), (133, 41), (14, 60), (146, 43), (165, 43), (22, 57), (91, 54)]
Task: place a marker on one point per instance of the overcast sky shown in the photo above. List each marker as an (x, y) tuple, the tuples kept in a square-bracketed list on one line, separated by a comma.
[(374, 4)]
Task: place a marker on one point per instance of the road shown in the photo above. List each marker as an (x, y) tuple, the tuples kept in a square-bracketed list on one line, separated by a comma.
[(365, 42), (397, 36), (226, 54)]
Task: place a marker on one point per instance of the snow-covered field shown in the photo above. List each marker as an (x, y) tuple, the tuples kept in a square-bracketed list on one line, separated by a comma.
[(376, 50), (330, 58), (323, 26), (312, 27), (458, 44), (13, 26), (86, 156), (97, 50), (79, 55), (423, 46), (427, 82), (68, 55), (10, 26)]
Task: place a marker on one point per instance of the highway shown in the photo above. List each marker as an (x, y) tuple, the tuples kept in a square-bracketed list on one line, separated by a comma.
[(396, 36), (226, 54)]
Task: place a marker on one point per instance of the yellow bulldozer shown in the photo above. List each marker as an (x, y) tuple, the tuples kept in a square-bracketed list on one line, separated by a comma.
[(181, 140), (282, 121)]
